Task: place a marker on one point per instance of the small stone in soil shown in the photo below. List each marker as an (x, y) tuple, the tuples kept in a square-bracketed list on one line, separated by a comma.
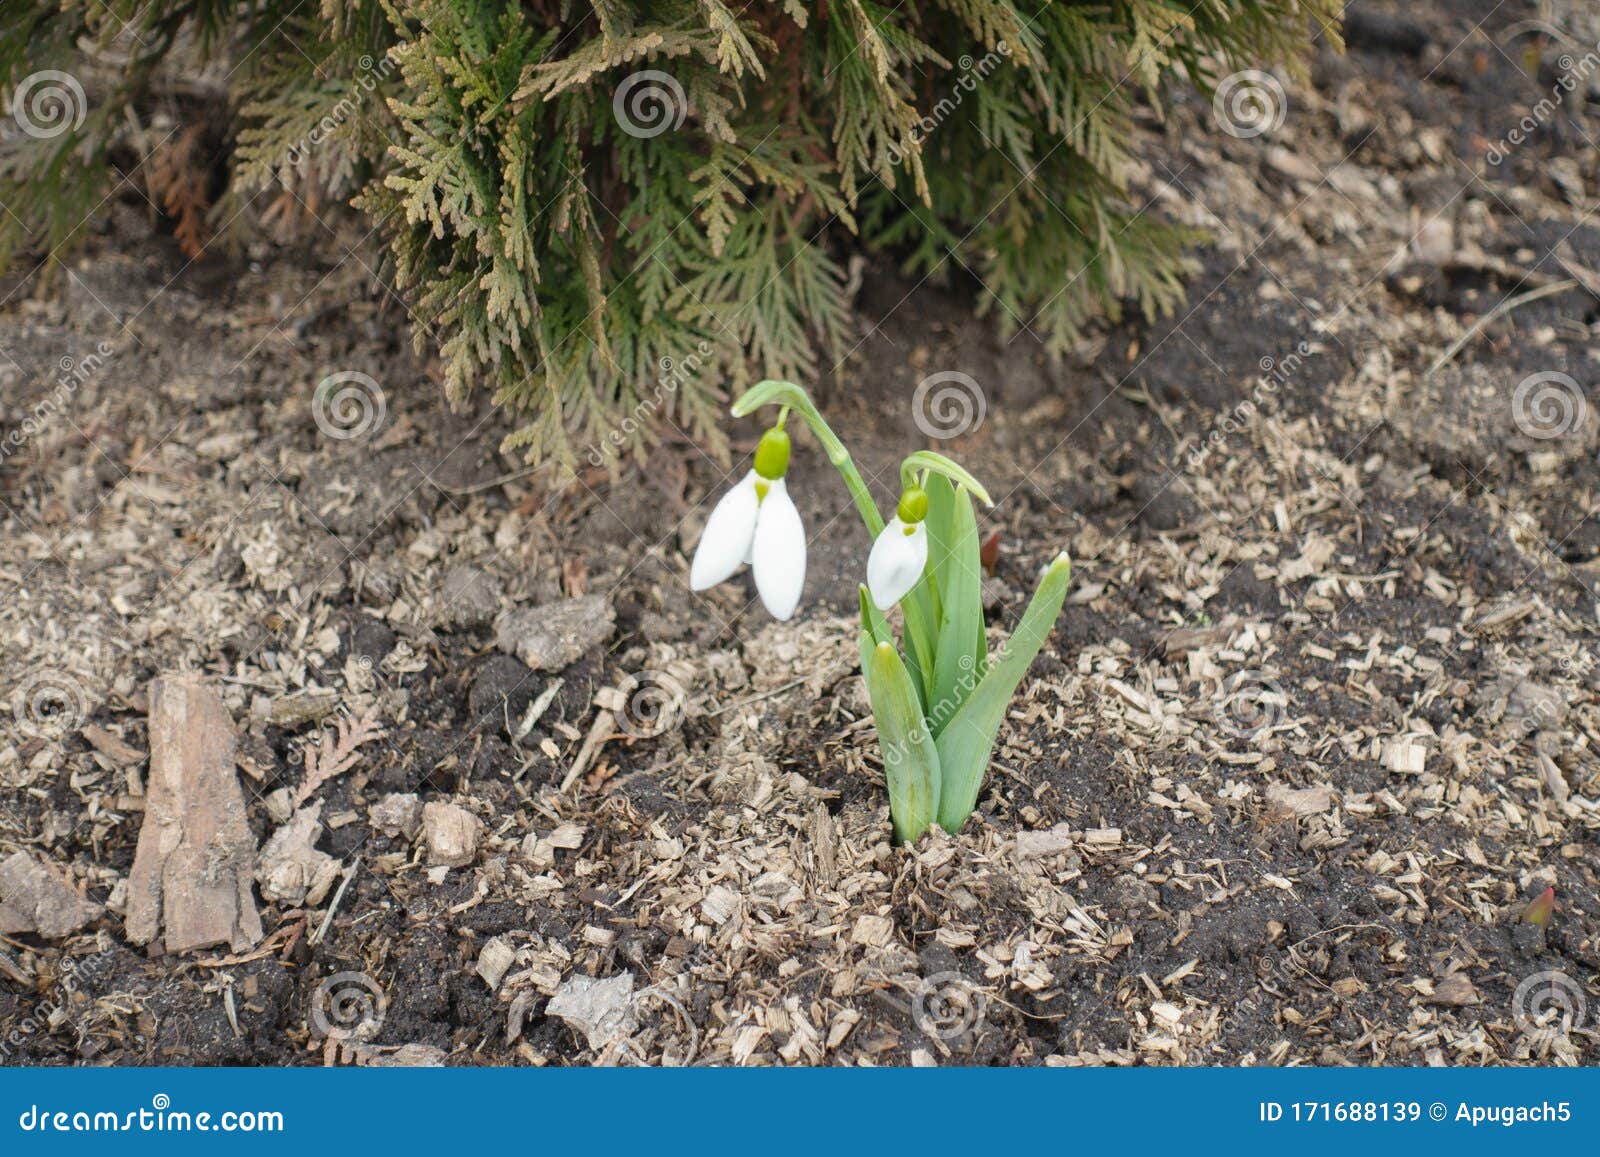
[(468, 598), (549, 637), (35, 898), (397, 814)]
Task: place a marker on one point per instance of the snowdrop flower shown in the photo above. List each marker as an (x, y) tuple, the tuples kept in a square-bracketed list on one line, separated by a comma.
[(900, 554), (756, 523)]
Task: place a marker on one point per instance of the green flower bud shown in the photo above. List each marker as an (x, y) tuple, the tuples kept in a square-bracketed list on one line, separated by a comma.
[(772, 453), (913, 505)]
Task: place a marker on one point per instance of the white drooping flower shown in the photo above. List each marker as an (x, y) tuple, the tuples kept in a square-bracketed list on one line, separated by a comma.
[(756, 522), (900, 553)]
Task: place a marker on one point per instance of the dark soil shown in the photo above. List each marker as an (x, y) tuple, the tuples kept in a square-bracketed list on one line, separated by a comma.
[(1251, 867)]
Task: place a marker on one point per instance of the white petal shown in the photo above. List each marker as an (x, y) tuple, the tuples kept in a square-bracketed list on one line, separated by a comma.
[(780, 552), (897, 561), (727, 537)]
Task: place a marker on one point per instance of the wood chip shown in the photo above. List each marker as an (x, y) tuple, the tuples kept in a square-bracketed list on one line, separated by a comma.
[(1033, 845), (872, 931), (451, 834), (602, 1010), (1301, 802)]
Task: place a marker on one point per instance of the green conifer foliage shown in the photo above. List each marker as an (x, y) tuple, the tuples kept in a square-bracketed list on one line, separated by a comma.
[(600, 211)]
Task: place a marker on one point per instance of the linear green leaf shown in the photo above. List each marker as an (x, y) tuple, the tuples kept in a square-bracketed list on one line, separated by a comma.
[(910, 758), (956, 661), (966, 741)]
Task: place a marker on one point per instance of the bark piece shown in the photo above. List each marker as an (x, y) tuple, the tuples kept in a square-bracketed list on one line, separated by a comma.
[(35, 898), (195, 862), (451, 834)]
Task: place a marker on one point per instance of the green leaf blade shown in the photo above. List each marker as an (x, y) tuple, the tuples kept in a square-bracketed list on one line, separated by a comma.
[(967, 740), (910, 757), (959, 649)]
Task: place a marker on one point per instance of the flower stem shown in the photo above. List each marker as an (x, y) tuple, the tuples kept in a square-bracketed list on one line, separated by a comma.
[(793, 397)]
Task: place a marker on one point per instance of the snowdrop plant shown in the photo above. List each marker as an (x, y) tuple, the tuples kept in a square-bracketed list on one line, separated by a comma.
[(939, 706)]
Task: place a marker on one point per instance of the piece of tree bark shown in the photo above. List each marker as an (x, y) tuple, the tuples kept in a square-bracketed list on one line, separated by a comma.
[(195, 863)]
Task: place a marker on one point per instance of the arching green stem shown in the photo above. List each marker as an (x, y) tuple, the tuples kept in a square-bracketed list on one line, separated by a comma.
[(792, 397)]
